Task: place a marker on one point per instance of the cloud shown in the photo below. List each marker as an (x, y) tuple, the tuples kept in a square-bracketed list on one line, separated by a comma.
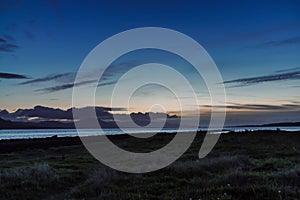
[(109, 77), (7, 43), (293, 75), (107, 83), (256, 34), (116, 109), (274, 43), (9, 37), (288, 70), (65, 86), (257, 107), (8, 47), (47, 78), (12, 76)]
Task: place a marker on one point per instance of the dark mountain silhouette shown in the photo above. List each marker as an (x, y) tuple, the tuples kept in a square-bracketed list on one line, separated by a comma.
[(42, 113), (45, 117), (4, 112)]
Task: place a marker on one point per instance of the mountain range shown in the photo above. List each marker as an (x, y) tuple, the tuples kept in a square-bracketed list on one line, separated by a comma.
[(41, 117), (46, 117)]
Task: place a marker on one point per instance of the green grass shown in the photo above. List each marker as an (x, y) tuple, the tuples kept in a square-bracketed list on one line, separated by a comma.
[(260, 165)]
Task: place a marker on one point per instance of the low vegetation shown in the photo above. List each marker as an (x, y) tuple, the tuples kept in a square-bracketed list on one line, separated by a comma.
[(250, 165)]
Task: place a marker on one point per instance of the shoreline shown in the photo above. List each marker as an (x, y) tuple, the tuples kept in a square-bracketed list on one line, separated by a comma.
[(17, 134), (12, 145)]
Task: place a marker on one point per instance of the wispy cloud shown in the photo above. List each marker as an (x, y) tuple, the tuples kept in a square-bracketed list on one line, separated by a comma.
[(274, 43), (8, 47), (9, 37), (293, 75), (288, 70), (8, 43), (257, 107), (65, 86), (256, 34), (47, 78), (12, 76), (106, 83)]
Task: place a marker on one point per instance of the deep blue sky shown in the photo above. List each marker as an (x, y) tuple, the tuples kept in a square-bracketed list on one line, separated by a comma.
[(41, 39)]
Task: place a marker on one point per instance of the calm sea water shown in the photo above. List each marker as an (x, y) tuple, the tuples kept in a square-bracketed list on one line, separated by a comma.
[(43, 133)]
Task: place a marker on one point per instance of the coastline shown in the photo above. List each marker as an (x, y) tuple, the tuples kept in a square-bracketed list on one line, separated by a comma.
[(11, 145)]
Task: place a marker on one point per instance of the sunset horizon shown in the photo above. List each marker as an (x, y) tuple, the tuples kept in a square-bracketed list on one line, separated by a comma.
[(257, 61), (151, 100)]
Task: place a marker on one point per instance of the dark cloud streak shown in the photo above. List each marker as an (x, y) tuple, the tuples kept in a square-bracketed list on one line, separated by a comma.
[(12, 76), (65, 86), (107, 83), (256, 34), (274, 43), (288, 70), (9, 37), (8, 47), (7, 43), (256, 107), (47, 78), (294, 75)]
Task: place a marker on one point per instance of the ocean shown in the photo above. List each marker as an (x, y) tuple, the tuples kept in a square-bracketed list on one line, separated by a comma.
[(44, 133)]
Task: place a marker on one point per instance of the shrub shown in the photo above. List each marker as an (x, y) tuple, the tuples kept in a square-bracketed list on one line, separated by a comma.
[(38, 175)]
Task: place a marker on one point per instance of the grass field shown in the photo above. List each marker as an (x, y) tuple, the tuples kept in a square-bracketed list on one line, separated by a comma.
[(250, 165)]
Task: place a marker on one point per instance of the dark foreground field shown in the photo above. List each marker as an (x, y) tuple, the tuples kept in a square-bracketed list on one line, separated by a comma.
[(260, 165)]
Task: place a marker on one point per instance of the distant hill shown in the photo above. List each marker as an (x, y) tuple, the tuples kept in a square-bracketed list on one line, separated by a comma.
[(272, 124), (283, 124)]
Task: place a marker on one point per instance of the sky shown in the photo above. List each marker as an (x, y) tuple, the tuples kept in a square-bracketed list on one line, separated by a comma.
[(255, 45)]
